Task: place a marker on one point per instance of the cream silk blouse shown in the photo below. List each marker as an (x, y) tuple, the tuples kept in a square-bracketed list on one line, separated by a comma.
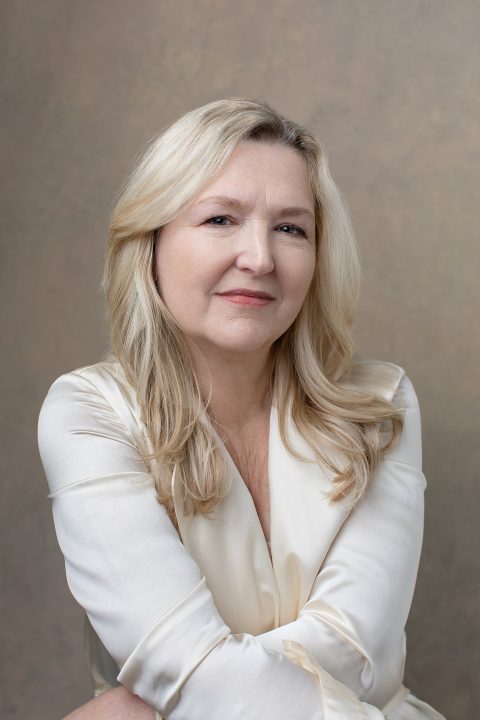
[(204, 624)]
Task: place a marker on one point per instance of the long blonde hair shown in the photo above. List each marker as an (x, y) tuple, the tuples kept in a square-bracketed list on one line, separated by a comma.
[(310, 359)]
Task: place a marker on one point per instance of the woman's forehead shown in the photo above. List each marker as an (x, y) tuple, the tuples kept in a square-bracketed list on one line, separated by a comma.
[(255, 170)]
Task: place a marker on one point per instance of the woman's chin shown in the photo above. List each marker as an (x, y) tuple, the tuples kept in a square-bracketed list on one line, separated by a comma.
[(238, 345)]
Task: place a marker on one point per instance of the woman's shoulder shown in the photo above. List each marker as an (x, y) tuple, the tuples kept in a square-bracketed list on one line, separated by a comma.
[(103, 377), (98, 388), (391, 382), (99, 373), (383, 378), (379, 377)]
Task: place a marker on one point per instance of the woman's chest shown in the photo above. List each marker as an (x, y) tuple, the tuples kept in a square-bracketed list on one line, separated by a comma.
[(256, 480), (250, 455)]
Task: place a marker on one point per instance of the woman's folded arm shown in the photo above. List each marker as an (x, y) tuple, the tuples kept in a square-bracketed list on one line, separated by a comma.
[(353, 621)]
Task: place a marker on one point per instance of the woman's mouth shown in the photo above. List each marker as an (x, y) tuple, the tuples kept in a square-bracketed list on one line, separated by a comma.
[(244, 296)]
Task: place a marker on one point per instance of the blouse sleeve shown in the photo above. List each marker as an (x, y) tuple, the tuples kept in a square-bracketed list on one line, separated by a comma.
[(353, 622), (142, 591)]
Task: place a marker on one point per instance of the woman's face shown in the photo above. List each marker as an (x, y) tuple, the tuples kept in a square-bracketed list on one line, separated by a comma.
[(251, 230)]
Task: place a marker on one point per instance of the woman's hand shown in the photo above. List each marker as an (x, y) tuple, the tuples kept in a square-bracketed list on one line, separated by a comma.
[(116, 704)]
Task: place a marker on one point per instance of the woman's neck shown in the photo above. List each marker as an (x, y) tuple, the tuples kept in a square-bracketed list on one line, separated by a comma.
[(240, 386)]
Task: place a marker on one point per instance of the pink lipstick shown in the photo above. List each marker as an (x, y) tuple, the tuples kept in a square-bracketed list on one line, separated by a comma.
[(245, 296)]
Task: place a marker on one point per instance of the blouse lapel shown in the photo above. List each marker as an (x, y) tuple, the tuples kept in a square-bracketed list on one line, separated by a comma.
[(231, 551), (303, 521)]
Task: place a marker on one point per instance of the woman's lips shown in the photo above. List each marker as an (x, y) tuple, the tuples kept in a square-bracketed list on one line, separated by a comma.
[(247, 297)]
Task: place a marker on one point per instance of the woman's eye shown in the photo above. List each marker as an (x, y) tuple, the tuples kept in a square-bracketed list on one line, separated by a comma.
[(223, 220), (214, 220), (293, 228)]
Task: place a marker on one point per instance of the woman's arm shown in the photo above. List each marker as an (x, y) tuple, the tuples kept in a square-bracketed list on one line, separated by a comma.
[(116, 704), (353, 621), (143, 592)]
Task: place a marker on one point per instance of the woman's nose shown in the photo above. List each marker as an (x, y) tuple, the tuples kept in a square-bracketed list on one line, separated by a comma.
[(255, 251)]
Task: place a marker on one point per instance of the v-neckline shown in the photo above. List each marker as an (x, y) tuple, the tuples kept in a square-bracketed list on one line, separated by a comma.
[(241, 482)]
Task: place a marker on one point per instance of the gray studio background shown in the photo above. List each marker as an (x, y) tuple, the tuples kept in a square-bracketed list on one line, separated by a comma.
[(391, 88)]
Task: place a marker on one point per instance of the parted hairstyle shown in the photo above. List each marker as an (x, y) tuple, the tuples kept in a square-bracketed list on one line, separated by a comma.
[(310, 359)]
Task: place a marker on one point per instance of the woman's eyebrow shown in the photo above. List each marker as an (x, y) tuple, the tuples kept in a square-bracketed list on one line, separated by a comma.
[(235, 203)]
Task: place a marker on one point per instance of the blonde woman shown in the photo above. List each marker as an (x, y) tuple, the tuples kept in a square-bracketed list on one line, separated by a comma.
[(238, 497)]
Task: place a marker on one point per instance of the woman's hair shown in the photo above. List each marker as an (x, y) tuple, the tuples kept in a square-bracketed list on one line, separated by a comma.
[(309, 360)]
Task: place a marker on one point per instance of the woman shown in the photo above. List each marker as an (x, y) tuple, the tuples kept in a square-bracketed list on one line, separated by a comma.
[(274, 575)]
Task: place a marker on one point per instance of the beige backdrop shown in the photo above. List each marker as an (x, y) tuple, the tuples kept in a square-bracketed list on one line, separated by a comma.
[(391, 88)]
